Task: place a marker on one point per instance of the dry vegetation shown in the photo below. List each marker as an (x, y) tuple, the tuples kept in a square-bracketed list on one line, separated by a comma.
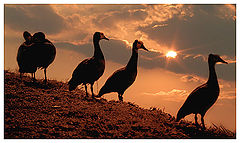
[(35, 110)]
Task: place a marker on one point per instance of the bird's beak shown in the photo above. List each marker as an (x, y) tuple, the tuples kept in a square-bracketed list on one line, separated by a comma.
[(103, 37), (142, 47), (221, 60)]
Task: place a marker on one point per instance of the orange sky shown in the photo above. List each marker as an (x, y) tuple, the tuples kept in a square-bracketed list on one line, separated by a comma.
[(161, 82)]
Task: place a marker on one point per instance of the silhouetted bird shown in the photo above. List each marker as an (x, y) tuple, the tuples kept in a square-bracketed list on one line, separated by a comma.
[(25, 56), (91, 69), (43, 50), (204, 96), (121, 79)]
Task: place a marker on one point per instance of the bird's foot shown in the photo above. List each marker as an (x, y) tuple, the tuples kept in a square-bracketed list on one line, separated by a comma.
[(120, 98), (92, 99), (203, 128), (34, 80), (94, 95), (97, 96), (197, 125), (86, 97), (45, 81)]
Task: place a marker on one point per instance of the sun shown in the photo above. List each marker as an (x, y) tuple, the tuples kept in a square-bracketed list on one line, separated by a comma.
[(171, 54)]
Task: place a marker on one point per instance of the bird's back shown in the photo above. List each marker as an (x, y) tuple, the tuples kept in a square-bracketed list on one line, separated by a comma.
[(199, 101), (88, 71), (44, 52), (25, 59), (119, 81)]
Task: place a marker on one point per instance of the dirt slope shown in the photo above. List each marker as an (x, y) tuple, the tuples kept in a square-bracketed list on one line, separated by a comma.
[(35, 110)]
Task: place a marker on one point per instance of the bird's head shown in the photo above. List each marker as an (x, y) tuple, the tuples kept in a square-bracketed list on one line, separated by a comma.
[(27, 36), (39, 37), (99, 36), (138, 45), (212, 58)]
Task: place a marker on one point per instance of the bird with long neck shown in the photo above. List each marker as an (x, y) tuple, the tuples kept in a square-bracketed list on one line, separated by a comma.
[(132, 63), (91, 69), (97, 50), (204, 96), (123, 78)]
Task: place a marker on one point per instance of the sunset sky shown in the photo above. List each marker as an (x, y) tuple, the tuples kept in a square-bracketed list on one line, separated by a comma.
[(192, 31)]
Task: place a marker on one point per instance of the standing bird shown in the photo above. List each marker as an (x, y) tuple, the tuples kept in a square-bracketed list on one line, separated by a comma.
[(44, 52), (91, 69), (25, 56), (121, 79), (204, 96)]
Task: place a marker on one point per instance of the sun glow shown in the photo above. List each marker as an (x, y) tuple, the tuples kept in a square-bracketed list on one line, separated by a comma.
[(171, 54)]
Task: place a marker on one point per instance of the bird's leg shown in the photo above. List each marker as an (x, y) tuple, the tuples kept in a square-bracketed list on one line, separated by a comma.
[(203, 125), (196, 122), (120, 97), (33, 77), (20, 75), (45, 73), (92, 91), (86, 90)]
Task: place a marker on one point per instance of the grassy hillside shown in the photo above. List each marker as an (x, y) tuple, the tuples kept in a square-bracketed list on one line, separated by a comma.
[(35, 110)]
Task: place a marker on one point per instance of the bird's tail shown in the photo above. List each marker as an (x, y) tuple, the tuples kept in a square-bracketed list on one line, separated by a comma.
[(181, 114), (72, 85)]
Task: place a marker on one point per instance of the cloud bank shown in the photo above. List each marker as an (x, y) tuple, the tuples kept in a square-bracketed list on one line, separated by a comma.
[(194, 31)]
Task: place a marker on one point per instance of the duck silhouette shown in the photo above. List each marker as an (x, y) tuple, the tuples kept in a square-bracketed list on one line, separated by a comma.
[(44, 52), (25, 56), (123, 78), (204, 96), (91, 69)]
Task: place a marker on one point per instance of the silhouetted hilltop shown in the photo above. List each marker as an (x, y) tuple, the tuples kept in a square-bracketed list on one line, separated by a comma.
[(36, 110)]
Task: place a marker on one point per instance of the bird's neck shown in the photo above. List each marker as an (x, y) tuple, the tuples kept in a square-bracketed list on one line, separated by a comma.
[(97, 50), (212, 74), (132, 64)]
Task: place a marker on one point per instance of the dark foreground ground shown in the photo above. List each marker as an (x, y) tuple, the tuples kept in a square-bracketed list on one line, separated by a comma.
[(35, 110)]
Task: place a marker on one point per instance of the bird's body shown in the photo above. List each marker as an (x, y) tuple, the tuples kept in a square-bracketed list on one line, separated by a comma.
[(119, 81), (25, 56), (24, 59), (44, 52), (123, 78), (91, 69), (204, 96), (88, 71)]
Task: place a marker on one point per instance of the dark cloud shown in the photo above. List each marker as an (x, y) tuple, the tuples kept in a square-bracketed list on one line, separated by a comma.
[(33, 18), (190, 78), (86, 49), (190, 65), (204, 33), (107, 9), (117, 51), (122, 16), (114, 50)]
